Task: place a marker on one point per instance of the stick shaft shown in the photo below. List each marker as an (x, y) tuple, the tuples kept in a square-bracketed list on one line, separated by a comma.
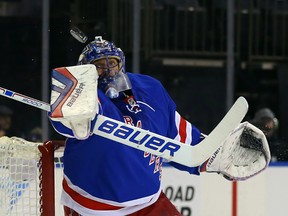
[(24, 99), (156, 144)]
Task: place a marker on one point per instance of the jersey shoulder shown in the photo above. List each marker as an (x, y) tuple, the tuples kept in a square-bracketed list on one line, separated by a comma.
[(145, 82), (151, 89)]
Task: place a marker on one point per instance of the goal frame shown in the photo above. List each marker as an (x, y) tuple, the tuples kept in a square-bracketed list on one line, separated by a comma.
[(47, 177)]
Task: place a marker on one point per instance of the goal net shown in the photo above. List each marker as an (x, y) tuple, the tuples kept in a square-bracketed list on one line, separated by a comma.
[(30, 177)]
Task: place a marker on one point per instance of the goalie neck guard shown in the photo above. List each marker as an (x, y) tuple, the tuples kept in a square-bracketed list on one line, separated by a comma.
[(110, 82)]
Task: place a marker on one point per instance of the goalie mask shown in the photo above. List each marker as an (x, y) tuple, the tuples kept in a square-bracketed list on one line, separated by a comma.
[(110, 63)]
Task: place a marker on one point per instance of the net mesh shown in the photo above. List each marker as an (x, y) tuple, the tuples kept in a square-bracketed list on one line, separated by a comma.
[(21, 178)]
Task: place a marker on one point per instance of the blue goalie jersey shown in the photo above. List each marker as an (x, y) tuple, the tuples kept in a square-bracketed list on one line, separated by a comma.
[(103, 177)]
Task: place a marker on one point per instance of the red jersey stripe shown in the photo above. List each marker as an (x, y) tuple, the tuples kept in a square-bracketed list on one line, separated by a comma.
[(86, 202), (182, 130)]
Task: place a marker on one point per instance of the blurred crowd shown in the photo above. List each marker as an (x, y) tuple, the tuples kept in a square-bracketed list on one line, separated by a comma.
[(7, 128), (266, 121)]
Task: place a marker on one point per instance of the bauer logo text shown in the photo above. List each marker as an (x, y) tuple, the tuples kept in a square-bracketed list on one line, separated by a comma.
[(76, 94), (32, 102), (138, 137)]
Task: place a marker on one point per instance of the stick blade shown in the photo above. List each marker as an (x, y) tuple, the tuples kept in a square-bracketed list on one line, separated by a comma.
[(201, 152)]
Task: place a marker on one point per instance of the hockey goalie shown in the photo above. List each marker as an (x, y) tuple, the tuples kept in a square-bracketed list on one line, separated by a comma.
[(103, 177)]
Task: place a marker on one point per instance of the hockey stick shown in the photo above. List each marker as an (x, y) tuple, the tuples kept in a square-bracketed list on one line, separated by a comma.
[(147, 141)]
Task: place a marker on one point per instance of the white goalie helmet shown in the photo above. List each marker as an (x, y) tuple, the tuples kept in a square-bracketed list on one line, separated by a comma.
[(110, 82)]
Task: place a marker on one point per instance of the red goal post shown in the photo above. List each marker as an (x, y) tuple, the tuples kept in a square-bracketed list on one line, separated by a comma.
[(30, 177), (50, 162)]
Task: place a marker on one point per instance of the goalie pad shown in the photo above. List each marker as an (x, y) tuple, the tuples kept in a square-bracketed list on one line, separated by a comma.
[(74, 99), (244, 154)]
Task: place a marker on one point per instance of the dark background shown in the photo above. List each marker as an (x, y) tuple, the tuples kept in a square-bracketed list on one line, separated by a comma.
[(188, 30)]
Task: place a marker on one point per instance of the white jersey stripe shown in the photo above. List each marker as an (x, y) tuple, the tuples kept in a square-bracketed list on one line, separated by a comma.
[(121, 209), (189, 133), (177, 123)]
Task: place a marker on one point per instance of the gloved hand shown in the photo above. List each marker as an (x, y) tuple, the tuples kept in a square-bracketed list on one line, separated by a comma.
[(244, 154), (74, 99)]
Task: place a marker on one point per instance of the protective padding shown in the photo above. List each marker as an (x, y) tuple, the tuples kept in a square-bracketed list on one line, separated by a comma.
[(74, 100), (244, 154)]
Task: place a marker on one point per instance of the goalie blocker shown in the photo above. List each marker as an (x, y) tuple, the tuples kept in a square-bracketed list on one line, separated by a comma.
[(74, 100)]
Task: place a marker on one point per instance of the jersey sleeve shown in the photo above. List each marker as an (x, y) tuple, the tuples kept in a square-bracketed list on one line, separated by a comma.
[(61, 128), (182, 130), (185, 132)]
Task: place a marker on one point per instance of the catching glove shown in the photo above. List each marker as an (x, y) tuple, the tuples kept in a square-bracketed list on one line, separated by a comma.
[(244, 154)]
